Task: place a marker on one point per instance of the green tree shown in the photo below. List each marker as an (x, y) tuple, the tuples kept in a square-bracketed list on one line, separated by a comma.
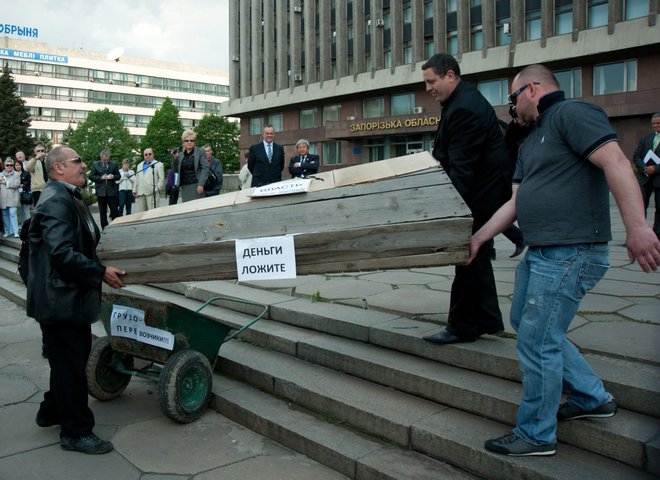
[(222, 135), (45, 140), (66, 135), (14, 118), (163, 132), (102, 129)]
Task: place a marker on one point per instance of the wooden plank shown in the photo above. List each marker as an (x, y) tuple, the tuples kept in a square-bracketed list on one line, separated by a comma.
[(413, 217)]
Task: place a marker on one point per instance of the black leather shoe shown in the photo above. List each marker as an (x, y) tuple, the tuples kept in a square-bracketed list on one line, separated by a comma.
[(43, 421), (519, 249), (446, 337), (89, 444)]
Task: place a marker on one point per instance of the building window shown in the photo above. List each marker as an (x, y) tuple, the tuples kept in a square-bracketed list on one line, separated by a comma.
[(331, 114), (596, 13), (452, 43), (429, 48), (403, 104), (373, 107), (428, 9), (375, 148), (615, 77), (570, 81), (532, 19), (276, 121), (636, 8), (476, 38), (563, 17), (256, 125), (495, 91), (451, 6), (308, 118), (332, 152), (503, 31)]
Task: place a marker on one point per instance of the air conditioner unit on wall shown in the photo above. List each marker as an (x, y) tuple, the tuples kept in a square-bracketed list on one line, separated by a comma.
[(379, 22), (418, 110), (297, 77), (297, 9)]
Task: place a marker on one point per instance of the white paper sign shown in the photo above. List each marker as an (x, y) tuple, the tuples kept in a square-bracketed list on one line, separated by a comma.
[(129, 322), (295, 185), (266, 258)]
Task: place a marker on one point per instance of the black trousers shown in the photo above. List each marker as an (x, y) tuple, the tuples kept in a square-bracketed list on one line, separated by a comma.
[(66, 400), (647, 190), (473, 307), (105, 203)]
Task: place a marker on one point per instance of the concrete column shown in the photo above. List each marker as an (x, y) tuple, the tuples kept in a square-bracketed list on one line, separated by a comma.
[(234, 51), (325, 41), (281, 45), (359, 32), (440, 26), (517, 22), (547, 20), (614, 14), (488, 29), (269, 15), (463, 26), (341, 40), (295, 47), (396, 32), (579, 17), (256, 48), (309, 21), (417, 30), (244, 57), (377, 55)]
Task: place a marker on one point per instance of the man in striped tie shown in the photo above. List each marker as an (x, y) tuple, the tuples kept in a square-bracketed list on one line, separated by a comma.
[(266, 159)]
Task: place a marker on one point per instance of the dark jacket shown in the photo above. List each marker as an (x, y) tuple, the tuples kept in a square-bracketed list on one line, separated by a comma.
[(105, 188), (65, 277), (216, 168), (646, 144), (201, 165), (470, 147), (265, 172), (309, 167)]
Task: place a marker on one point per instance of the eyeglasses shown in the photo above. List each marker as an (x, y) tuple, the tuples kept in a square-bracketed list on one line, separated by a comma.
[(74, 159), (189, 141), (9, 164), (40, 151), (148, 154), (513, 98)]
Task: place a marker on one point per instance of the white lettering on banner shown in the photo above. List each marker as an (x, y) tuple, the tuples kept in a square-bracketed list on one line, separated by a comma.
[(286, 187), (129, 322), (266, 258)]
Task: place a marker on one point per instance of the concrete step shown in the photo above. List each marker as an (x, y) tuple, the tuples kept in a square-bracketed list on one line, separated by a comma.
[(8, 252), (446, 434), (383, 410), (634, 384), (9, 269), (624, 438)]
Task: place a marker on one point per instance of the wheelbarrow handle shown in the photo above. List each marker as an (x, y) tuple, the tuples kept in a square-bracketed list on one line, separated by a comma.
[(245, 302)]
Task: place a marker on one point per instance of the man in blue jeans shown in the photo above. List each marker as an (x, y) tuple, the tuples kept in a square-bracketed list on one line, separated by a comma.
[(561, 201)]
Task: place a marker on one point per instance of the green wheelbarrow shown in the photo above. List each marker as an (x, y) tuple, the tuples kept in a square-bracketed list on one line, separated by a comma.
[(184, 342)]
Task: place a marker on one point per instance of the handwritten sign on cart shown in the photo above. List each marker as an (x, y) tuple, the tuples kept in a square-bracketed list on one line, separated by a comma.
[(129, 322)]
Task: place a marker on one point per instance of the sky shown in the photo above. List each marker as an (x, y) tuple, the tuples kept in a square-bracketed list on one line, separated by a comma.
[(183, 31)]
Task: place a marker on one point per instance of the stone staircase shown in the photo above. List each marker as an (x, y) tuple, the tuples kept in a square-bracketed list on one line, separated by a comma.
[(361, 392)]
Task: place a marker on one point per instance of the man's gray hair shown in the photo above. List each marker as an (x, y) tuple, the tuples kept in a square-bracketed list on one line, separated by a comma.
[(105, 153), (56, 155), (302, 141)]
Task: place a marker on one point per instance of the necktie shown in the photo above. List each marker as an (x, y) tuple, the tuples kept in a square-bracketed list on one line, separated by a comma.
[(302, 160), (656, 141), (269, 152)]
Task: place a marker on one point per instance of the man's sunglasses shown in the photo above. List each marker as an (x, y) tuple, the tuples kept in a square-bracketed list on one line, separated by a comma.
[(513, 98)]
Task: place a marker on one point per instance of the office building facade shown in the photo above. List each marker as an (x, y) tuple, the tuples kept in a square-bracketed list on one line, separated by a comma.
[(61, 86), (346, 75)]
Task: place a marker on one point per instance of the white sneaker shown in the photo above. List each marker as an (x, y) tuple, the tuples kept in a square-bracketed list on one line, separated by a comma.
[(16, 235), (5, 235)]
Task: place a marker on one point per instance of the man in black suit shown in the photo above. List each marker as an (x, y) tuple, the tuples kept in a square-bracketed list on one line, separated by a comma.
[(104, 174), (648, 174), (64, 296), (266, 159), (304, 163), (470, 147)]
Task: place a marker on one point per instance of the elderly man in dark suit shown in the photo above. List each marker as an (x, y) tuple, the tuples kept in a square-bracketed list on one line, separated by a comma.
[(105, 174), (64, 296), (304, 163), (470, 147), (191, 168), (266, 159), (648, 174)]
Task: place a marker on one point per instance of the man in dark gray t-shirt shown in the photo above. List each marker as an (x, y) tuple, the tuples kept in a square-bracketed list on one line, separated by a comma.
[(560, 199)]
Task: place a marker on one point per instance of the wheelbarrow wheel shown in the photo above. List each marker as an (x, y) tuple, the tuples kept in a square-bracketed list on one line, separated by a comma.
[(104, 381), (184, 387)]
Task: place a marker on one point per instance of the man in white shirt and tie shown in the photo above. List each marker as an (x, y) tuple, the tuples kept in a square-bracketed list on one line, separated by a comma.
[(266, 159)]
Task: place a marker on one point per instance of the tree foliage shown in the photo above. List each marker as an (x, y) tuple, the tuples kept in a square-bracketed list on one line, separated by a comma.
[(222, 135), (14, 118), (103, 129), (163, 132), (66, 135)]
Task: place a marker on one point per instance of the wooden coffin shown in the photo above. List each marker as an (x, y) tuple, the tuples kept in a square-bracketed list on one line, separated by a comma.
[(395, 213)]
